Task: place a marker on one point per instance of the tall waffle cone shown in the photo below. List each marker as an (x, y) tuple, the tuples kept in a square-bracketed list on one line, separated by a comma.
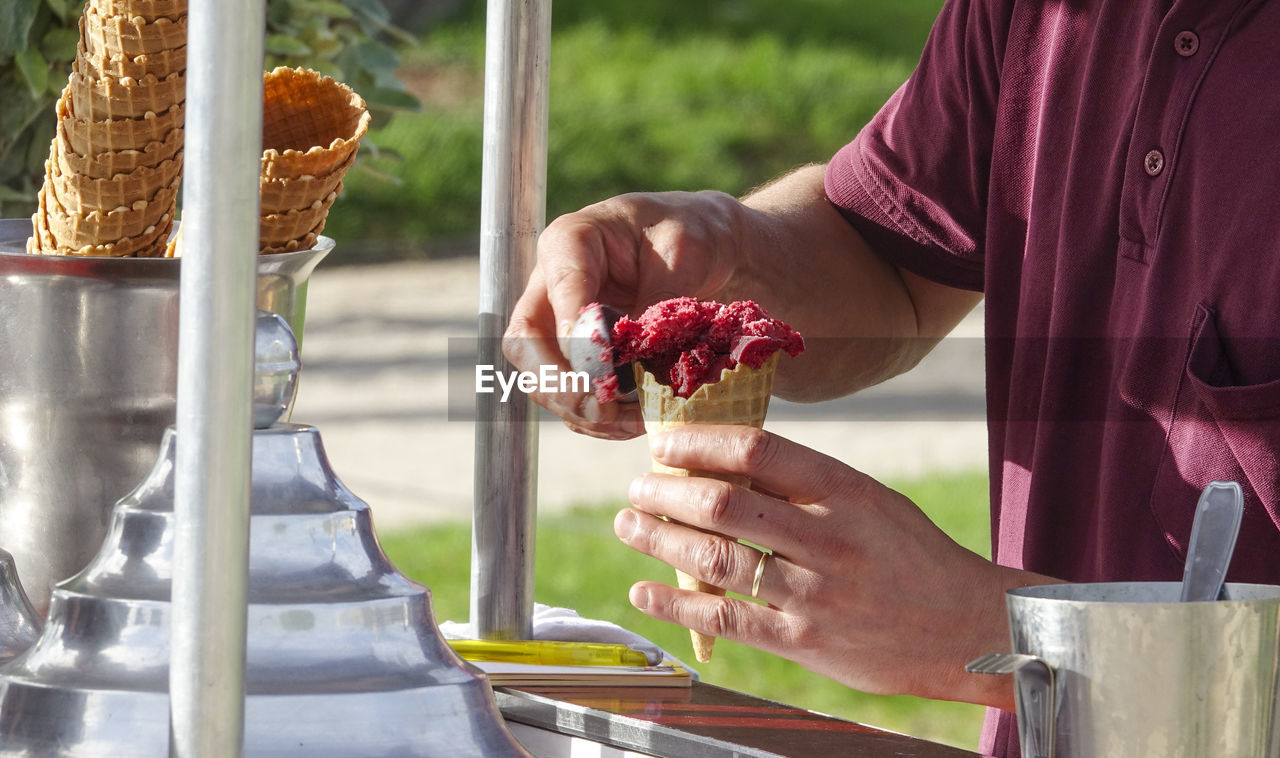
[(740, 397), (115, 163), (311, 123), (131, 35)]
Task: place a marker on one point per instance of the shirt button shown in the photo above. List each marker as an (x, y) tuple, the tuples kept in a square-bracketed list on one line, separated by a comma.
[(1186, 43), (1153, 163)]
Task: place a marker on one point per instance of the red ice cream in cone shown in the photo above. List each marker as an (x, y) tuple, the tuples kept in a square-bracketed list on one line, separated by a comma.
[(701, 362)]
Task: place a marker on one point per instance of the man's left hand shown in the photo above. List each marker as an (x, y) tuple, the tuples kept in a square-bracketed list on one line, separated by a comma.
[(862, 587)]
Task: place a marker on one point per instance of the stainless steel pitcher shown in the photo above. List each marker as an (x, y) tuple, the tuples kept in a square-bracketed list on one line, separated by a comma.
[(1124, 669), (88, 375)]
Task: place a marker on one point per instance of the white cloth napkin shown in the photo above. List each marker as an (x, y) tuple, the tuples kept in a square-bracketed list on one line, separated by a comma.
[(564, 624)]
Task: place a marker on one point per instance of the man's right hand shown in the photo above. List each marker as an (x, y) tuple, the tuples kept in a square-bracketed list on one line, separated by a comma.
[(629, 252)]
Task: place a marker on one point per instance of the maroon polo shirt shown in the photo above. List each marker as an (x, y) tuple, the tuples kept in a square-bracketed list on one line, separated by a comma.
[(1107, 172)]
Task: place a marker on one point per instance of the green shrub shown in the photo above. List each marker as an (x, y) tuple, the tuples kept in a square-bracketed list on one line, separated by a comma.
[(343, 38), (643, 96), (665, 94)]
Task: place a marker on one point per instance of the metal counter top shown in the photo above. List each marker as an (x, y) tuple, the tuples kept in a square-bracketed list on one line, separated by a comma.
[(703, 721)]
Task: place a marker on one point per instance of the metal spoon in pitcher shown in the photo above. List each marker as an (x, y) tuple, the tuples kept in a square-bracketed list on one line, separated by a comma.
[(1213, 540)]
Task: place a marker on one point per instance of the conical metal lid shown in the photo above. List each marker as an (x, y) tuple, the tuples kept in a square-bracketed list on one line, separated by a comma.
[(344, 658)]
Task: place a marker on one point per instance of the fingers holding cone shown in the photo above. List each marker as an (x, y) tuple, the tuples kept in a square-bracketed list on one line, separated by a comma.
[(741, 396)]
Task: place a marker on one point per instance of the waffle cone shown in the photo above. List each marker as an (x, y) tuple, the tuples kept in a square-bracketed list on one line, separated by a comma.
[(147, 204), (160, 64), (149, 10), (174, 247), (74, 225), (306, 243), (125, 189), (283, 195), (311, 124), (110, 98), (115, 162), (278, 229), (740, 397), (109, 164), (130, 35), (43, 242), (703, 644), (93, 138)]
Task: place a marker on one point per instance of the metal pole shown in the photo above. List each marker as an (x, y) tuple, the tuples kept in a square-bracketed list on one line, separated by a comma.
[(512, 211), (215, 377)]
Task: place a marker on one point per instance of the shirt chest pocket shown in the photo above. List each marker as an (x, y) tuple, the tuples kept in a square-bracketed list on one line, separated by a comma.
[(1221, 429)]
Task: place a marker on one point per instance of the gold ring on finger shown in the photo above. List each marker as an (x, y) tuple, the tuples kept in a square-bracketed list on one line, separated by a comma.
[(755, 582)]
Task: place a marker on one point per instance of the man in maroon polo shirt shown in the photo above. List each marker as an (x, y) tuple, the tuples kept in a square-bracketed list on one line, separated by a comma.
[(1104, 173)]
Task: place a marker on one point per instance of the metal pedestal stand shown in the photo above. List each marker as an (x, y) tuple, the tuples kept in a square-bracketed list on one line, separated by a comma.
[(343, 655)]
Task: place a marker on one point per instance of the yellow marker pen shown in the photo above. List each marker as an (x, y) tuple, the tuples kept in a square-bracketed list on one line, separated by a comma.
[(548, 652)]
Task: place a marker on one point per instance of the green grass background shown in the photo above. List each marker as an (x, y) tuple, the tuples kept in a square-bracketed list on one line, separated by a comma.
[(581, 565), (655, 95)]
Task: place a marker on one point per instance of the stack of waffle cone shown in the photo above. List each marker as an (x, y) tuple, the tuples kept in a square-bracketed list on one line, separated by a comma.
[(740, 397), (114, 165), (311, 129)]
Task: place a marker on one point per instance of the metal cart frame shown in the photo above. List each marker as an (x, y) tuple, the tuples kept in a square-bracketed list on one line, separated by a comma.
[(214, 416)]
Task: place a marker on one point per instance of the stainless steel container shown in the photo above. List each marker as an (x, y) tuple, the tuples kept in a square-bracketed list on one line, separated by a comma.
[(342, 656), (88, 373), (1134, 672)]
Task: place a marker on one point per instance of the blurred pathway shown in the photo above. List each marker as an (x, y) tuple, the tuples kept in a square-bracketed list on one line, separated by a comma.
[(375, 382)]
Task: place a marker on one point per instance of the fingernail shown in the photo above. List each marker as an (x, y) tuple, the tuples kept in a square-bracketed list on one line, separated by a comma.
[(639, 597), (658, 444), (591, 409), (563, 330), (598, 412), (625, 524), (635, 490)]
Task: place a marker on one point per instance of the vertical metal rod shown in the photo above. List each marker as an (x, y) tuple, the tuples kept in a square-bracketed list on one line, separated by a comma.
[(513, 212), (215, 377)]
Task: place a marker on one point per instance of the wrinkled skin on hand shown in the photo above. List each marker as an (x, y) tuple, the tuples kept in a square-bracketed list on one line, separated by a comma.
[(861, 588)]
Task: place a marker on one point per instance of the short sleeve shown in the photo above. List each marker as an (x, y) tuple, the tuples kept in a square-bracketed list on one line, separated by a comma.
[(914, 182)]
